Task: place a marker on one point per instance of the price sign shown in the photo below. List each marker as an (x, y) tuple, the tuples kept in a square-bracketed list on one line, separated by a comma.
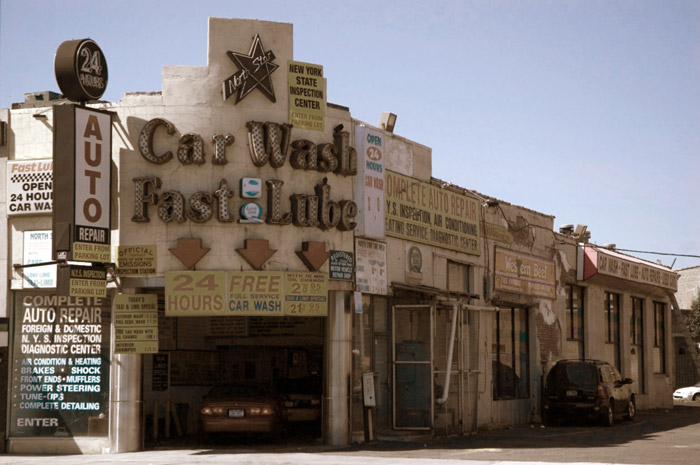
[(306, 294), (136, 324)]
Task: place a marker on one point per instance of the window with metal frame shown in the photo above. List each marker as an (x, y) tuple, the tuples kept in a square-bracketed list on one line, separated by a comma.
[(659, 337), (511, 354), (612, 328), (637, 344), (575, 321)]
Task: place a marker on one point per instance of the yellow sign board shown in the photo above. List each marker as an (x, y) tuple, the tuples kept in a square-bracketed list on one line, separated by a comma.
[(245, 293), (136, 260), (96, 253), (421, 212), (136, 324), (253, 293), (87, 281), (195, 293), (524, 274), (306, 294), (307, 101), (496, 232)]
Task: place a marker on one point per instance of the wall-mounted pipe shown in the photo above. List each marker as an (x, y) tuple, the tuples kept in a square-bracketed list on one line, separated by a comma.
[(448, 371), (453, 332)]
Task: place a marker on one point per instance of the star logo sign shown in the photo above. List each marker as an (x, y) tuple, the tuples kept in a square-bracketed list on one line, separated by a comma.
[(254, 70)]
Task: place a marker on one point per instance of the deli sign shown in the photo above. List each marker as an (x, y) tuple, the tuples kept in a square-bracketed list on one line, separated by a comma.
[(82, 183)]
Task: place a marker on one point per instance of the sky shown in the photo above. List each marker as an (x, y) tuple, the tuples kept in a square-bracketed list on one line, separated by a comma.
[(586, 110)]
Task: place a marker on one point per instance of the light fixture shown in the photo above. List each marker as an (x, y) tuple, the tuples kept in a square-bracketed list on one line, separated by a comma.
[(41, 114), (566, 229), (484, 201), (387, 121), (580, 231)]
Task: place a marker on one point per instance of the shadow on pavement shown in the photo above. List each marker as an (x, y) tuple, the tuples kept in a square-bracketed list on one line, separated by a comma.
[(571, 435), (646, 424)]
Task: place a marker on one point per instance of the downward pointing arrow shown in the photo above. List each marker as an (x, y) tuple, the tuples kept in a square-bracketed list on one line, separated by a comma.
[(313, 254), (189, 251), (256, 252)]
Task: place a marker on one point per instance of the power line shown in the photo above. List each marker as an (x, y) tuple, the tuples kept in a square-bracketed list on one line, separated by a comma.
[(658, 253)]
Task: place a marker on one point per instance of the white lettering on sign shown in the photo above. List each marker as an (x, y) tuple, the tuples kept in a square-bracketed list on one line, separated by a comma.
[(93, 145)]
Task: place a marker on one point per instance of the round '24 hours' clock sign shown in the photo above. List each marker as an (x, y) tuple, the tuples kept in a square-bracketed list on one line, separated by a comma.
[(81, 70)]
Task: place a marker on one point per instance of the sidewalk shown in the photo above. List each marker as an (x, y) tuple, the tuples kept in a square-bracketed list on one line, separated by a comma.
[(647, 440)]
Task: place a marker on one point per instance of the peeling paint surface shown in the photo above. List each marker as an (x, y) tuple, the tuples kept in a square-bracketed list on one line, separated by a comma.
[(546, 311), (564, 261)]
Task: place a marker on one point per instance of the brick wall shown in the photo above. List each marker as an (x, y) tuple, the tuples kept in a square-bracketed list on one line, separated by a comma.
[(549, 337)]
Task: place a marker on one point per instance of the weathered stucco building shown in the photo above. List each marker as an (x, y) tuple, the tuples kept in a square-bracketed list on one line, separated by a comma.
[(261, 234)]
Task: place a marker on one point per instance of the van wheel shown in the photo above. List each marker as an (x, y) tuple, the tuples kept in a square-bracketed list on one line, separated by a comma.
[(609, 418), (631, 410), (696, 396)]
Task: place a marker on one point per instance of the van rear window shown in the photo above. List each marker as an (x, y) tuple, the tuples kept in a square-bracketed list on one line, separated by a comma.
[(573, 374), (581, 375)]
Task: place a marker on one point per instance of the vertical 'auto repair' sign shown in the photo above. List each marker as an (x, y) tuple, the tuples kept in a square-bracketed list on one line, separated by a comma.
[(82, 183), (93, 169)]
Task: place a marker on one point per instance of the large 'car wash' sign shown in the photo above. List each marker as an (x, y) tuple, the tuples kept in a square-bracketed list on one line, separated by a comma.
[(269, 143)]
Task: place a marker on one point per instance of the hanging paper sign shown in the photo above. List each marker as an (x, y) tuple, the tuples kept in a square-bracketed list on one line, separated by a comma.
[(136, 324), (307, 100)]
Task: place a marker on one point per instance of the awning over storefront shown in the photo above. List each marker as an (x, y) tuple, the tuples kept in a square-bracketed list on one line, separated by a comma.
[(608, 266)]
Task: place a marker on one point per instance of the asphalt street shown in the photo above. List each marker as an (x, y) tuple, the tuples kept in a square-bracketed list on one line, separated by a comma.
[(656, 437)]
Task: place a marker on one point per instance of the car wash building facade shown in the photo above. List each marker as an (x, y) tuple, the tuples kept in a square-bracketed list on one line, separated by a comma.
[(238, 228), (209, 240)]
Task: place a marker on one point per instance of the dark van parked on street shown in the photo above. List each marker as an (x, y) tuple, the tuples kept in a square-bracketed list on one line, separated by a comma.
[(591, 389)]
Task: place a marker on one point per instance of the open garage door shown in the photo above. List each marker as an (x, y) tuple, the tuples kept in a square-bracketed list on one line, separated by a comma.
[(213, 371)]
